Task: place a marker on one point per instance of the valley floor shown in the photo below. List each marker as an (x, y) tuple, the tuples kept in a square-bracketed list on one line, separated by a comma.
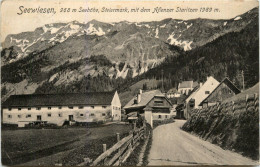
[(173, 146)]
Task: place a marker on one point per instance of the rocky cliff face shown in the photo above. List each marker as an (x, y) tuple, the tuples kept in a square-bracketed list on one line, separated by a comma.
[(232, 125), (65, 53)]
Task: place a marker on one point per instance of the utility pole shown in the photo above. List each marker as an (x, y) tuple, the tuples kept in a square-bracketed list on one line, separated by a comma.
[(243, 80)]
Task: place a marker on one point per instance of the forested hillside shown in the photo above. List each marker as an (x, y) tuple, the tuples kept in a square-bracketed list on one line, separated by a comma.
[(228, 56)]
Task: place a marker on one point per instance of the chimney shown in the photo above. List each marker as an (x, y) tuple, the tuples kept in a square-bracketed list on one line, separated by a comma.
[(140, 91), (138, 98), (201, 84)]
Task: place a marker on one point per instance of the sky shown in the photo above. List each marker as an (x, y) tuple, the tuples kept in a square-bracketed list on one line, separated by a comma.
[(13, 23)]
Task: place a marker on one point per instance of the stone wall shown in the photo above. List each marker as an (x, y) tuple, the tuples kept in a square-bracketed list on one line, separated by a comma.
[(233, 125)]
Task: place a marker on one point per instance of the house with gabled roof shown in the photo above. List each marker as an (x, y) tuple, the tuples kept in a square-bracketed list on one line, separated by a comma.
[(154, 101), (186, 86), (199, 94), (224, 90), (58, 108)]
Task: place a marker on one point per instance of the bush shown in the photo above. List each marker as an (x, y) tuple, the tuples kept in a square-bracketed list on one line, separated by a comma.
[(161, 122)]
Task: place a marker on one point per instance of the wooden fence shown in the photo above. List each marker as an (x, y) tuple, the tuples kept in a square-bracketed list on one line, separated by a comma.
[(119, 152)]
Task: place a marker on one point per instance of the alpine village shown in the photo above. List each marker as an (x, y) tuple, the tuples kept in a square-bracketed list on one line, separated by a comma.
[(169, 92)]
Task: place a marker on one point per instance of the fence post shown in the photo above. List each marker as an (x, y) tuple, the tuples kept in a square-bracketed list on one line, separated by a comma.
[(255, 101), (118, 137), (119, 158), (134, 126), (104, 150), (233, 106), (131, 143), (246, 101), (144, 125)]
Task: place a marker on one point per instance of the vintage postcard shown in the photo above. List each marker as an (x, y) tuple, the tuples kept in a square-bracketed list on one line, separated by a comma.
[(129, 83)]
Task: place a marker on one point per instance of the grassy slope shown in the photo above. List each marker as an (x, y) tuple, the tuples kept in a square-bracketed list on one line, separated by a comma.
[(250, 91), (28, 145)]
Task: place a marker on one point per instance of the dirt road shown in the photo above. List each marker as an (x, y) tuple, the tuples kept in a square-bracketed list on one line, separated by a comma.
[(173, 146)]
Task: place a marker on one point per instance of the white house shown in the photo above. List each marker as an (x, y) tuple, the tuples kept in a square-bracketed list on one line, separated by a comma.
[(199, 94), (186, 86), (58, 108)]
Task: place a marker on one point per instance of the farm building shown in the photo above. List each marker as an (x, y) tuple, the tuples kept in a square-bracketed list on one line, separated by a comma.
[(223, 91), (185, 87), (153, 102), (58, 108), (199, 94)]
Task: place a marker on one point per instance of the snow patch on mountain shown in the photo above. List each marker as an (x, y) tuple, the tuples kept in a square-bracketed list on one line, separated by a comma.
[(93, 31), (54, 30), (156, 33), (122, 73), (188, 26), (174, 41), (138, 25), (238, 18), (163, 26)]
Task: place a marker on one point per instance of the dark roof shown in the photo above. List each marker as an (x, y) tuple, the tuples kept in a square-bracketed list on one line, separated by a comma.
[(145, 99), (228, 83), (195, 84), (30, 100), (185, 84)]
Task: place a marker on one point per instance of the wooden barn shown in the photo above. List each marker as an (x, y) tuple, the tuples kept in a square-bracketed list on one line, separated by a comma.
[(153, 100)]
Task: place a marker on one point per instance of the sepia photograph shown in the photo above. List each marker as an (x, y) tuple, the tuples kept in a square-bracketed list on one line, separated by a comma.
[(129, 83)]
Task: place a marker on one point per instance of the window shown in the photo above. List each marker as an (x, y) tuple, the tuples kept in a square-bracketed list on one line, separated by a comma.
[(9, 116), (70, 107), (81, 107), (165, 116), (9, 109), (159, 116), (81, 115), (116, 115), (104, 106), (49, 108), (19, 116), (19, 108), (60, 114), (92, 106), (60, 107), (49, 114), (38, 108), (28, 116), (158, 103), (29, 108), (206, 92), (92, 114), (103, 114)]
